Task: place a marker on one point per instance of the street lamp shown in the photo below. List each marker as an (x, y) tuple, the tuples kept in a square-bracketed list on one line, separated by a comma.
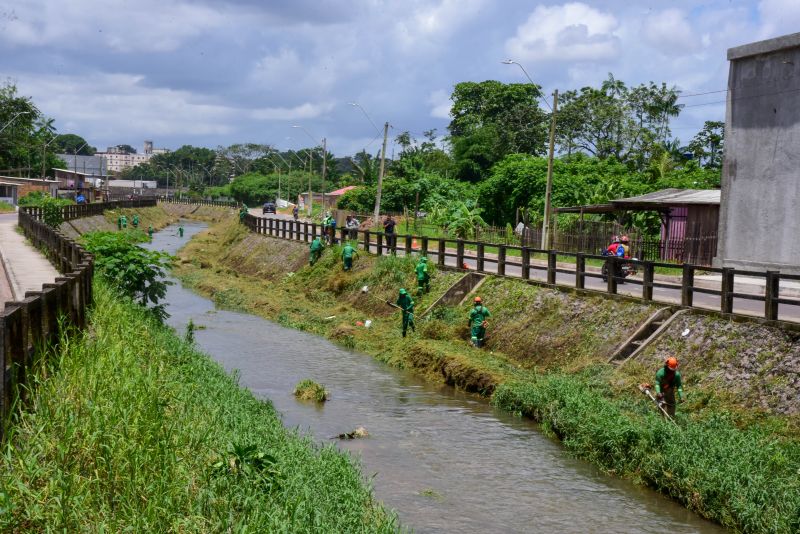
[(6, 125), (377, 211), (549, 189), (44, 155), (324, 168)]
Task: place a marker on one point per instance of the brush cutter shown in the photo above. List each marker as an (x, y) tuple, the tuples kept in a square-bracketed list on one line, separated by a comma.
[(645, 388)]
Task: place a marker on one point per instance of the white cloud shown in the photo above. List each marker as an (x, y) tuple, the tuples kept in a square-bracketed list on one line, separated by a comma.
[(153, 26), (670, 32), (303, 111), (440, 102), (418, 23), (568, 32), (778, 17)]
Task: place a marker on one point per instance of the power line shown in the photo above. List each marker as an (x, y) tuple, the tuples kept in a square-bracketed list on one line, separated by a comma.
[(701, 94)]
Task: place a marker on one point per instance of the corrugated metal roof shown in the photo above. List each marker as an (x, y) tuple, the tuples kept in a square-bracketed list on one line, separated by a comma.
[(341, 191), (673, 197)]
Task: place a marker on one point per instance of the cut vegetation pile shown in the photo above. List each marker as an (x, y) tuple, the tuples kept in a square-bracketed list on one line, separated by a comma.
[(546, 359), (131, 429)]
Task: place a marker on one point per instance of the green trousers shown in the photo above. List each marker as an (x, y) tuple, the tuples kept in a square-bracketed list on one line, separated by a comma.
[(313, 257), (348, 263), (477, 334), (408, 321)]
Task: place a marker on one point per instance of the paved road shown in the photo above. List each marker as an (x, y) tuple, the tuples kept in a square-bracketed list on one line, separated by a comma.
[(786, 312), (24, 266)]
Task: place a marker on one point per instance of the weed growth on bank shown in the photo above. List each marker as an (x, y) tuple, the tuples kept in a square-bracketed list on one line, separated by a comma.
[(307, 389), (131, 429)]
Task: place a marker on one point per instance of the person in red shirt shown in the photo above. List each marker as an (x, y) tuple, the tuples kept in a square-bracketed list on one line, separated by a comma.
[(612, 248)]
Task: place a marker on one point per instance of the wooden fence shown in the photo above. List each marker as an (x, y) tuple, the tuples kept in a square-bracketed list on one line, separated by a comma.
[(77, 211), (40, 319), (523, 261)]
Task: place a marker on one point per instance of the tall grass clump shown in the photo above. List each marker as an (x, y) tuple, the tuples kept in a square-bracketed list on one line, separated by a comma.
[(744, 479), (131, 429), (307, 389)]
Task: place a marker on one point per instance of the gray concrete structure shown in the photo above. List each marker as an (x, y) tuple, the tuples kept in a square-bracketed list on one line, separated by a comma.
[(760, 205)]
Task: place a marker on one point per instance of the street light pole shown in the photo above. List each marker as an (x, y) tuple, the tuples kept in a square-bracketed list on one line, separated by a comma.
[(377, 212), (546, 238), (546, 242), (44, 155)]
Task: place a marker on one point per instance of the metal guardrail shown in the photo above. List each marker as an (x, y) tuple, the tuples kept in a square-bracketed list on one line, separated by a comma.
[(506, 256)]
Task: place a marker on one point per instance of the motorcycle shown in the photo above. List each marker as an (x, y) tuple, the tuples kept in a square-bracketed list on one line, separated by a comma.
[(626, 268)]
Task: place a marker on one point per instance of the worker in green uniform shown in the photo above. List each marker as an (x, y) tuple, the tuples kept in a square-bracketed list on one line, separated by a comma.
[(406, 304), (150, 232), (119, 222), (135, 221), (423, 277), (477, 322), (124, 221), (668, 380), (347, 256), (180, 230), (316, 250), (242, 212)]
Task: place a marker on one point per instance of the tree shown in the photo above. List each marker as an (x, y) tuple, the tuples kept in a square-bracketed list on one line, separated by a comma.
[(708, 145), (501, 118), (629, 124), (70, 143), (25, 132), (126, 149), (417, 157)]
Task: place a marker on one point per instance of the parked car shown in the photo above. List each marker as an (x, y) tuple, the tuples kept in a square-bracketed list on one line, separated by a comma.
[(269, 207)]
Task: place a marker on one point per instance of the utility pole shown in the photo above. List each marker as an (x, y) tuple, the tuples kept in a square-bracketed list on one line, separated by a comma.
[(310, 196), (376, 215), (324, 168), (549, 191)]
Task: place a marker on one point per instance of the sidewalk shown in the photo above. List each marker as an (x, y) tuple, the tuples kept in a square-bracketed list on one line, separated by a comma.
[(26, 269)]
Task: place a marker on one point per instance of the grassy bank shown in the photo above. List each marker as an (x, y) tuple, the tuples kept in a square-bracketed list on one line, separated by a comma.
[(729, 461), (131, 429)]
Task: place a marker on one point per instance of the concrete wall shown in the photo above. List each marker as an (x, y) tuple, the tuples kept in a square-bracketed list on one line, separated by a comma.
[(760, 208)]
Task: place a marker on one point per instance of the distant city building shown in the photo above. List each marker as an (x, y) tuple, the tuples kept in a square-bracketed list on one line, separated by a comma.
[(117, 158)]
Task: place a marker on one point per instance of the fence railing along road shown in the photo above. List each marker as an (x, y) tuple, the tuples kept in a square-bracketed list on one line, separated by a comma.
[(523, 262)]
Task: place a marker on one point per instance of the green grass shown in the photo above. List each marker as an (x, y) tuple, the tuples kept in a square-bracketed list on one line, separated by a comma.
[(746, 480), (5, 207), (307, 389), (131, 429)]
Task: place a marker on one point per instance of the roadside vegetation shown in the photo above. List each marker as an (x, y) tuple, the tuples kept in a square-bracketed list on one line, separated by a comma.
[(729, 460)]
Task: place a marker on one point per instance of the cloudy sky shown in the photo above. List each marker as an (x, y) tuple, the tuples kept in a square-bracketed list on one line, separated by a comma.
[(211, 72)]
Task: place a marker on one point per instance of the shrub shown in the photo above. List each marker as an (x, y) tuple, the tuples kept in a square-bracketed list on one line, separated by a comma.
[(307, 389)]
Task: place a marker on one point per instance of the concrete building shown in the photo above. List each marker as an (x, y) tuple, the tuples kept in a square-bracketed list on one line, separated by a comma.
[(760, 204), (117, 159), (13, 188)]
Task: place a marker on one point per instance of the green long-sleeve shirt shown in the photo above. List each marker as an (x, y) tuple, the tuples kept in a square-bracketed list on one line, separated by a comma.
[(406, 303), (478, 315), (421, 270), (663, 381), (316, 245), (348, 251)]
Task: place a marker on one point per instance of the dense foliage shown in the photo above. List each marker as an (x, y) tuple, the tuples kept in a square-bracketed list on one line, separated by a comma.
[(24, 134), (254, 188), (135, 272)]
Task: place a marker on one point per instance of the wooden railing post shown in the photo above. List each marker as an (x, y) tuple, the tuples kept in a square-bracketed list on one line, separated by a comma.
[(366, 240), (501, 260), (460, 253), (647, 281), (408, 244), (379, 243), (313, 231), (552, 258), (580, 271), (526, 263), (441, 251), (611, 281), (480, 261), (424, 245), (305, 232), (771, 295), (726, 291), (687, 285)]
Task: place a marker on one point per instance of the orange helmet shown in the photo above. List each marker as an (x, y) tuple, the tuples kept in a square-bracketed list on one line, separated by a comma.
[(478, 300), (672, 363)]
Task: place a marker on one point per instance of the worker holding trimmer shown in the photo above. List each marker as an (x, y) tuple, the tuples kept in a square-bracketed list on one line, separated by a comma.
[(406, 304), (477, 322), (668, 380)]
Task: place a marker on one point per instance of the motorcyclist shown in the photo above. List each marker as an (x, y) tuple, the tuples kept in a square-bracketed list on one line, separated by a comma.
[(611, 250), (623, 249)]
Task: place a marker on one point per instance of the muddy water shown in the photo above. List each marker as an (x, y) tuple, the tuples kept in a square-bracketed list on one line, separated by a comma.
[(444, 460)]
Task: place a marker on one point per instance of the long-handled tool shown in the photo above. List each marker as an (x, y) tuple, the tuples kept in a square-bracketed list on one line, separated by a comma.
[(645, 388)]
